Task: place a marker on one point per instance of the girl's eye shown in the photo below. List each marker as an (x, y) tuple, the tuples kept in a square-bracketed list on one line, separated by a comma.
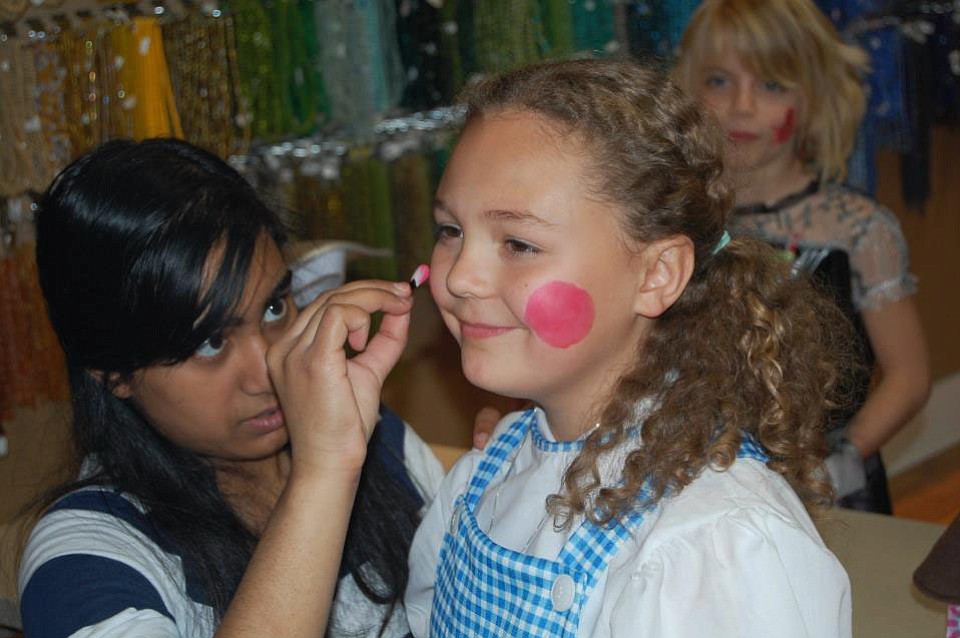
[(519, 247), (276, 310), (715, 81), (446, 231), (773, 86), (211, 347)]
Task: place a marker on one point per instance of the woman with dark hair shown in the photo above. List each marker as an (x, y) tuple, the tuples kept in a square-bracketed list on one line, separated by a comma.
[(221, 434)]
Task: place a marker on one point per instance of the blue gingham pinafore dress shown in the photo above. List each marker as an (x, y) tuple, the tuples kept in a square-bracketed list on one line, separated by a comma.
[(483, 589)]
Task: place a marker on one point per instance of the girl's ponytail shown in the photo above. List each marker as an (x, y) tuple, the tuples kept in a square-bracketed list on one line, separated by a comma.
[(748, 350)]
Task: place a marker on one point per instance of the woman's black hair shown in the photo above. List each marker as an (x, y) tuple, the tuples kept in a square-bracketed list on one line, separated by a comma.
[(124, 240)]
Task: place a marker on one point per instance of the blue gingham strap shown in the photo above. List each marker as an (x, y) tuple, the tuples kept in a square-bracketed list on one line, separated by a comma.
[(750, 448), (590, 547), (495, 454)]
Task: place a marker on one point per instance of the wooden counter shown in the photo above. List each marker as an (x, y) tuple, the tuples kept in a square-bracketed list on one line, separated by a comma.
[(880, 554)]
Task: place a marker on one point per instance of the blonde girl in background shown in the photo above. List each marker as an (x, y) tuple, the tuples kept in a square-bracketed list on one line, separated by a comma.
[(788, 93), (661, 485)]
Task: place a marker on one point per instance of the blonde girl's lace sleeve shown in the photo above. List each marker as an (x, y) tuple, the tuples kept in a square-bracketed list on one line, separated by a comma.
[(879, 258)]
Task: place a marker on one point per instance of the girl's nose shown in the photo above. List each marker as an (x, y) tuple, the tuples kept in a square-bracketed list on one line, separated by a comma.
[(469, 275), (744, 99)]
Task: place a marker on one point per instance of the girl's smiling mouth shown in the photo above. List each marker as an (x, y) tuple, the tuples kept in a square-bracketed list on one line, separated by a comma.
[(742, 136)]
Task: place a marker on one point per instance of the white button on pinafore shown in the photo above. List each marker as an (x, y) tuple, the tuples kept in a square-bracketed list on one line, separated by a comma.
[(562, 592)]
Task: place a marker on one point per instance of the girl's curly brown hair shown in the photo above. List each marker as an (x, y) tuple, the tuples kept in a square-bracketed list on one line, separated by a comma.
[(747, 348)]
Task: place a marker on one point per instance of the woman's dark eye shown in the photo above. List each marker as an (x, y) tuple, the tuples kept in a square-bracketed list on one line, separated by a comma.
[(275, 311), (211, 347)]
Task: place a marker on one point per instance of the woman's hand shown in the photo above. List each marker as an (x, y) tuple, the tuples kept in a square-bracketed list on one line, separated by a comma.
[(330, 404), (484, 424), (330, 401), (487, 418)]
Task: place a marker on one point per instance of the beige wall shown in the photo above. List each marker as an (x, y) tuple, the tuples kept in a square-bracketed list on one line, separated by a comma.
[(934, 237), (36, 460), (36, 457)]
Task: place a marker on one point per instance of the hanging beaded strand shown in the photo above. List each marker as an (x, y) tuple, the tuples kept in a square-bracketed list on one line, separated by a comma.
[(144, 73), (198, 52), (508, 34), (411, 190), (293, 67), (49, 98), (418, 31), (12, 138), (451, 59), (78, 52), (24, 151), (594, 27), (253, 60), (31, 362), (8, 308), (558, 24)]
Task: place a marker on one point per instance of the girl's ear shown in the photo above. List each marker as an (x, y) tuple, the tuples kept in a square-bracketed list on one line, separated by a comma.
[(121, 390), (667, 265)]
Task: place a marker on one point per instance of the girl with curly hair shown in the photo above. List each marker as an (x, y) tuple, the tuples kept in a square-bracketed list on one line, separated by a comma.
[(662, 484)]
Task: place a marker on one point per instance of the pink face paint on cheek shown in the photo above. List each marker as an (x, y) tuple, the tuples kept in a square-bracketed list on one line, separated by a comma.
[(785, 131), (560, 314)]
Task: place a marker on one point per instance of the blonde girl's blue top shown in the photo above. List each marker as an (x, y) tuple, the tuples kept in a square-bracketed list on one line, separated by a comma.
[(732, 554)]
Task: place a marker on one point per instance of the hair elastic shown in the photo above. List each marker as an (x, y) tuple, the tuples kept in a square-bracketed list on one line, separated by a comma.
[(724, 240)]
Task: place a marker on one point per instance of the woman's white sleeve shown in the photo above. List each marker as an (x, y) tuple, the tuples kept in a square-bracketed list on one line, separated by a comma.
[(423, 466)]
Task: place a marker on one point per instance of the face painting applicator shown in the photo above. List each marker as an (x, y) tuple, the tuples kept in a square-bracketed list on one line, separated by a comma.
[(420, 276)]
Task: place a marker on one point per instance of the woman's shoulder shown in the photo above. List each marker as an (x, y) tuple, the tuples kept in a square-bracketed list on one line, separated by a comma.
[(104, 539), (85, 515), (96, 521), (406, 456)]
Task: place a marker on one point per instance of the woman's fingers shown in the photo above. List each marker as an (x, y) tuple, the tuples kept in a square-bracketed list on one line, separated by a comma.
[(328, 421), (371, 296), (324, 394), (384, 349), (484, 424)]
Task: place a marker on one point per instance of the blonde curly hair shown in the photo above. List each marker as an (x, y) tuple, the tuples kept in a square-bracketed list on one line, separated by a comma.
[(793, 43), (746, 349)]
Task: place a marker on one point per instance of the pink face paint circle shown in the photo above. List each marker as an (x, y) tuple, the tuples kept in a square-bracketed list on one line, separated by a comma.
[(560, 314), (785, 131)]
